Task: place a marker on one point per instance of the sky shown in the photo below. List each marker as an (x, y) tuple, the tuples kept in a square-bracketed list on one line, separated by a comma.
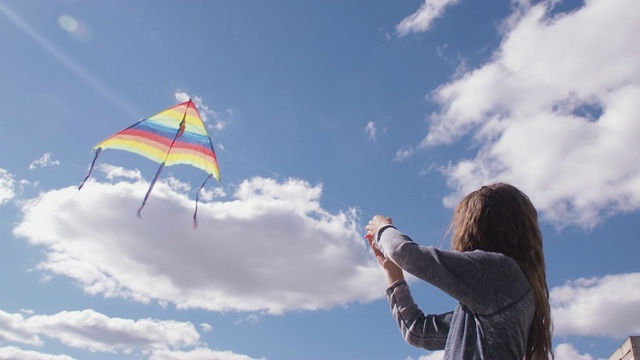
[(323, 114)]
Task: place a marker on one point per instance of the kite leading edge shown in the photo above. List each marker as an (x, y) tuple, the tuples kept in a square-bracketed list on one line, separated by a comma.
[(174, 136)]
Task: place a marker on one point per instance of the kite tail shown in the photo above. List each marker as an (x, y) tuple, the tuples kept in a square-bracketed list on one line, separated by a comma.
[(153, 182), (98, 150), (195, 213)]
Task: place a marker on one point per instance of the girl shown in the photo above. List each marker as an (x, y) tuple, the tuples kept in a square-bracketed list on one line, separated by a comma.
[(496, 271)]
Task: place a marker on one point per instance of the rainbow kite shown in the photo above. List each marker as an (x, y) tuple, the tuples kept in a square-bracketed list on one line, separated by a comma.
[(174, 136)]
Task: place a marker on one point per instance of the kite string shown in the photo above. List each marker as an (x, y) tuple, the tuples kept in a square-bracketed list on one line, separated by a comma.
[(277, 175), (273, 173), (359, 212)]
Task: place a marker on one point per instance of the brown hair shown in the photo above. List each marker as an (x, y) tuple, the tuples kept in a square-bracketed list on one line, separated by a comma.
[(501, 218)]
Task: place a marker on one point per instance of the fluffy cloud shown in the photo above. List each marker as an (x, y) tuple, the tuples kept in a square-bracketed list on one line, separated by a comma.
[(568, 352), (12, 352), (44, 161), (14, 328), (436, 355), (96, 332), (607, 306), (554, 112), (422, 19), (220, 119), (7, 186), (271, 248), (197, 354)]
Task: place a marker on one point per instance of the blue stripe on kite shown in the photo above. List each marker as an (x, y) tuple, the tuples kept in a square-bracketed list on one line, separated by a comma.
[(169, 133)]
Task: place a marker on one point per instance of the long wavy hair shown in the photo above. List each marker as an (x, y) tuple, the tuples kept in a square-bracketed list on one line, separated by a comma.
[(501, 218)]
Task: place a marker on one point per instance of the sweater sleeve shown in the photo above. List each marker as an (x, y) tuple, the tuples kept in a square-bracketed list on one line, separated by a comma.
[(425, 331), (477, 279)]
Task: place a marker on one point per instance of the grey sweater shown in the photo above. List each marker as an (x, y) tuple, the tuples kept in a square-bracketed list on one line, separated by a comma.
[(496, 303)]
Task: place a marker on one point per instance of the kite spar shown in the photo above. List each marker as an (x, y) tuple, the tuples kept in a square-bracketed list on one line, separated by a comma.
[(174, 136)]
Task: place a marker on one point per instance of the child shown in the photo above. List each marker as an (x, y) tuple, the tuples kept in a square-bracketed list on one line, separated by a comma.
[(496, 271)]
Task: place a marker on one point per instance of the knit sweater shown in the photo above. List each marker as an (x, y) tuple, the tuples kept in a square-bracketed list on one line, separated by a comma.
[(496, 303)]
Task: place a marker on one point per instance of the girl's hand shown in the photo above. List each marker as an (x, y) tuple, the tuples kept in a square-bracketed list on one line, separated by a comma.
[(394, 272), (376, 223), (382, 260)]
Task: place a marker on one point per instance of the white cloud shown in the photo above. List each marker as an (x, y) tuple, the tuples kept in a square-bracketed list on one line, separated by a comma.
[(220, 119), (607, 306), (436, 355), (14, 328), (206, 327), (210, 194), (116, 172), (404, 153), (568, 352), (96, 332), (198, 354), (45, 160), (372, 131), (252, 318), (12, 352), (554, 112), (421, 20), (271, 248), (7, 186)]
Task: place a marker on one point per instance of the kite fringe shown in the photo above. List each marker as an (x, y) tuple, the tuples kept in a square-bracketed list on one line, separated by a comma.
[(98, 150), (195, 213), (153, 183)]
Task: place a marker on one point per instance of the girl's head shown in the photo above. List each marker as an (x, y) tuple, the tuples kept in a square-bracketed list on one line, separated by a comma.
[(500, 218), (497, 218)]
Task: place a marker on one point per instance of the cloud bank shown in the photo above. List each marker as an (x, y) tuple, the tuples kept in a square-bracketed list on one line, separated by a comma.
[(95, 332), (270, 248)]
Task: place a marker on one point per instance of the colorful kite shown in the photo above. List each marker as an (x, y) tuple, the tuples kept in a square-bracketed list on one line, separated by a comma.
[(174, 136)]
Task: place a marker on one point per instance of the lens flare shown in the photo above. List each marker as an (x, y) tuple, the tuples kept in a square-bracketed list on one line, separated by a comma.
[(68, 23), (78, 30)]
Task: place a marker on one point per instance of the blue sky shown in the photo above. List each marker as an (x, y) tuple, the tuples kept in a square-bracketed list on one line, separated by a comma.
[(323, 114)]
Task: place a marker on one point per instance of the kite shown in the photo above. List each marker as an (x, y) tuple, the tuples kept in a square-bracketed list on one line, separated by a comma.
[(174, 136)]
